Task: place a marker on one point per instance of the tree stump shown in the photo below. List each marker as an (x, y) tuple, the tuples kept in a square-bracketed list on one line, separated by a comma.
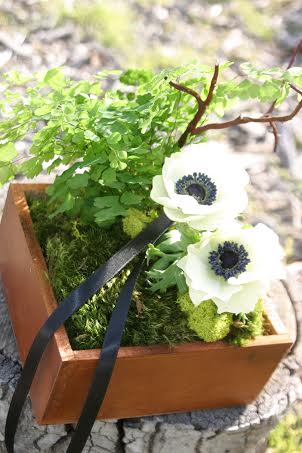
[(234, 430)]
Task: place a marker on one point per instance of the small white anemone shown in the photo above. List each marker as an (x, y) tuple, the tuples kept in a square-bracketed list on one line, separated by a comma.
[(233, 267), (202, 185)]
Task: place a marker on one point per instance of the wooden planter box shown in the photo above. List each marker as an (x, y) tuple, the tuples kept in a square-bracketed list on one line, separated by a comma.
[(146, 380)]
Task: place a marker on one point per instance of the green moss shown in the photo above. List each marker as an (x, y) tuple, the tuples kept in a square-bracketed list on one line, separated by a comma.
[(287, 436), (204, 319), (136, 221), (249, 327), (73, 250)]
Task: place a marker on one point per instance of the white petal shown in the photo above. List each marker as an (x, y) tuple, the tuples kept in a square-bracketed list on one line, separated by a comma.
[(202, 277), (159, 193), (243, 301), (197, 297)]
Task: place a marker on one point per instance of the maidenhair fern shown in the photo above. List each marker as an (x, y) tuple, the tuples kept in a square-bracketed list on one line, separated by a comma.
[(115, 141)]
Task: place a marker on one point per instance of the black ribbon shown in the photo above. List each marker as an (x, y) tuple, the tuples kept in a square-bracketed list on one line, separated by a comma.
[(111, 344)]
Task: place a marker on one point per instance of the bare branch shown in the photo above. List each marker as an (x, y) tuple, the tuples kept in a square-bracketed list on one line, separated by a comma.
[(276, 136), (293, 87), (271, 109), (209, 97), (187, 90), (202, 105), (294, 54), (248, 119)]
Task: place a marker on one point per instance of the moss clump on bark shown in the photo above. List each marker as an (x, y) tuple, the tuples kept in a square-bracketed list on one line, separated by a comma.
[(73, 250)]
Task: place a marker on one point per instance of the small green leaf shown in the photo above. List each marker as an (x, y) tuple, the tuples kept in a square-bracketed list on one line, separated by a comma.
[(269, 91), (181, 282), (67, 205), (78, 137), (7, 171), (121, 165), (89, 135), (130, 198), (283, 95), (122, 154), (78, 181), (106, 202), (108, 176), (110, 208), (114, 138), (8, 152), (54, 78), (44, 110)]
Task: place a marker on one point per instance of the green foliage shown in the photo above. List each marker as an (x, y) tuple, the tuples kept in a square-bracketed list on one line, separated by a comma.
[(114, 142), (247, 326), (136, 77), (287, 436), (204, 319), (164, 272)]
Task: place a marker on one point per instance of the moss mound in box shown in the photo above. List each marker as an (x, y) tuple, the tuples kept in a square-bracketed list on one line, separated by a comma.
[(73, 250)]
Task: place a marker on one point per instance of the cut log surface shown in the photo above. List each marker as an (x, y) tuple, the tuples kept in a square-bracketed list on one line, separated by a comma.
[(233, 430)]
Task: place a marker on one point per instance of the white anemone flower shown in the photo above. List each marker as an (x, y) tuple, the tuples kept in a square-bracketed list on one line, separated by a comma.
[(202, 185), (233, 267)]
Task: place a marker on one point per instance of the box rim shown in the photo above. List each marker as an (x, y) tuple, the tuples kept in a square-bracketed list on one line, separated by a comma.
[(126, 352)]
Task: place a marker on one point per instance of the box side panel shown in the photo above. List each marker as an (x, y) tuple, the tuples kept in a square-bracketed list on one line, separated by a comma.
[(25, 301), (164, 383)]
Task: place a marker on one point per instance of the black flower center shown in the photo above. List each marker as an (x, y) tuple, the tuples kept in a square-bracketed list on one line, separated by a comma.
[(199, 186), (197, 191), (229, 260)]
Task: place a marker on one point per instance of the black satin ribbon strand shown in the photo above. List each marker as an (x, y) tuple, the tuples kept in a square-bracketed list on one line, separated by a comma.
[(105, 366), (66, 309)]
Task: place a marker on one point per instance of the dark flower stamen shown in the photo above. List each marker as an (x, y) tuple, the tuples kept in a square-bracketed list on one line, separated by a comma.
[(229, 260), (199, 186)]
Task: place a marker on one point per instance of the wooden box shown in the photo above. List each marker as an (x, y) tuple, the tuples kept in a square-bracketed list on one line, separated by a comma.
[(146, 380)]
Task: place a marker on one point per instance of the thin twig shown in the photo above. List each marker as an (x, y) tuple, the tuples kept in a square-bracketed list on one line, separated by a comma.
[(192, 124), (209, 97), (202, 105), (295, 54), (276, 136), (247, 119), (293, 87), (273, 105), (187, 90), (271, 109)]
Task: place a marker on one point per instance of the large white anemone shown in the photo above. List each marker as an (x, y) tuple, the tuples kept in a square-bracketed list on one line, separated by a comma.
[(202, 185), (233, 267)]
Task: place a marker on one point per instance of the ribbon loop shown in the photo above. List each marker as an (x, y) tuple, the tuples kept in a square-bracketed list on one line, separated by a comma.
[(66, 309)]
